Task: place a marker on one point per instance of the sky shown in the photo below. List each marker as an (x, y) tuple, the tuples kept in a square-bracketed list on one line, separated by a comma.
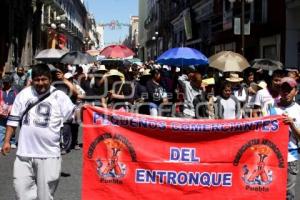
[(105, 11)]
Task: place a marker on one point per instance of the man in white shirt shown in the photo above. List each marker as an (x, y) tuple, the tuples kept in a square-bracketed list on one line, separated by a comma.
[(192, 87), (266, 98), (290, 109), (38, 162)]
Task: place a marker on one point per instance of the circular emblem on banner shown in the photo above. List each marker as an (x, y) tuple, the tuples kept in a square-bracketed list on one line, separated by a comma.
[(110, 165), (257, 156)]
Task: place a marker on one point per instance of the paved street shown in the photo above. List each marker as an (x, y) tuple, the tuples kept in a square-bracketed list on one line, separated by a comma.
[(69, 187)]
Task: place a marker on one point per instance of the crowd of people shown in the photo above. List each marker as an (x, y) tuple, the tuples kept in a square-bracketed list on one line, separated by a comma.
[(190, 92), (187, 92)]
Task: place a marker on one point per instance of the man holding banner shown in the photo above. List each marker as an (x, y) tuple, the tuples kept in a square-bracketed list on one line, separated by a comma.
[(290, 109), (40, 111)]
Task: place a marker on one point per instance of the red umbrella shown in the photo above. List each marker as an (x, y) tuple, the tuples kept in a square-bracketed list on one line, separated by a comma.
[(117, 51)]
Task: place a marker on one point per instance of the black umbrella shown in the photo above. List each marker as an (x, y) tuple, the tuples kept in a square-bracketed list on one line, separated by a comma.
[(50, 55), (77, 57), (266, 64)]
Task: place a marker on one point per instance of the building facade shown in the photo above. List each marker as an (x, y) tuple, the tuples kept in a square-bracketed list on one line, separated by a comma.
[(73, 15), (214, 25), (264, 35), (132, 41), (142, 31), (100, 31), (292, 45), (151, 27), (134, 32), (92, 40), (33, 25), (21, 23)]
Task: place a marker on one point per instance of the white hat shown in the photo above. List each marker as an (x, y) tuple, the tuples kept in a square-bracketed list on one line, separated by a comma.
[(101, 68), (165, 67), (68, 75), (254, 86), (262, 84), (234, 78), (146, 72), (114, 72)]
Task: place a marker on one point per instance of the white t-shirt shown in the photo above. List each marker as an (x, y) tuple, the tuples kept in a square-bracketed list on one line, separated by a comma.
[(265, 100), (229, 106), (241, 97), (189, 94), (292, 111), (40, 132)]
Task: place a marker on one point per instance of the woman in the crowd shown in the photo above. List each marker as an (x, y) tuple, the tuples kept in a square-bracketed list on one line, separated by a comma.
[(251, 88), (157, 94), (227, 105)]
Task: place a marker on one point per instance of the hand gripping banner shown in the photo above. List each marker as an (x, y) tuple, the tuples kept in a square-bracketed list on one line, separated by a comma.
[(131, 156)]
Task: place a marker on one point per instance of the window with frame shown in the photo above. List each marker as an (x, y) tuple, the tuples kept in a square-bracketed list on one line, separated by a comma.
[(261, 11)]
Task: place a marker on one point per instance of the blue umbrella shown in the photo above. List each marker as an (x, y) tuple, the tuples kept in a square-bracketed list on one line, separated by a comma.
[(182, 56)]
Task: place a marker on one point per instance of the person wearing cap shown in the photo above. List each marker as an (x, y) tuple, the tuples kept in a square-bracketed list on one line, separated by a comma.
[(238, 90), (290, 110), (266, 98), (7, 98)]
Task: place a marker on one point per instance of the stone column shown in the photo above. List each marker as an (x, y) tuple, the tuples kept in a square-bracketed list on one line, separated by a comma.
[(8, 67), (27, 56)]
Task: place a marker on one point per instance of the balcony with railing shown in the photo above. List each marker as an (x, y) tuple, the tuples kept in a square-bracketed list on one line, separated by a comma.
[(57, 5), (151, 18)]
